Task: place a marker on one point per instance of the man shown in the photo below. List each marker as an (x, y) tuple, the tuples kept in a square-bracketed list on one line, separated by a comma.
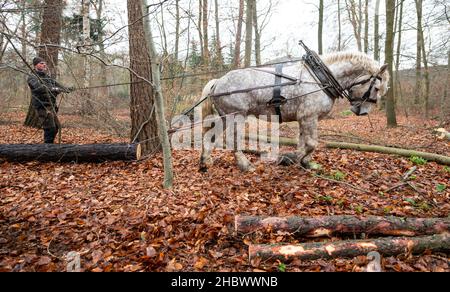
[(44, 91)]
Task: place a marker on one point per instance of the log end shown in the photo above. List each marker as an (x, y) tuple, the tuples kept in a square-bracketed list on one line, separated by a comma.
[(138, 152)]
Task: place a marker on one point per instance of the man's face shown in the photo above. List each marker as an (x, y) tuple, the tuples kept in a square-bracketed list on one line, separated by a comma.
[(41, 67)]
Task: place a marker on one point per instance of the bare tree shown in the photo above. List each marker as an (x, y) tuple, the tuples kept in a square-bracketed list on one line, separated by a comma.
[(218, 40), (418, 91), (389, 59), (249, 32), (160, 111), (257, 34), (237, 47), (320, 32), (376, 36)]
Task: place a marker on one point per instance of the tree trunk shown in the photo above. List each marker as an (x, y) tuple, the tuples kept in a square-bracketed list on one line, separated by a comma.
[(87, 106), (418, 90), (377, 31), (320, 32), (354, 17), (50, 34), (144, 128), (389, 59), (159, 101), (350, 248), (339, 26), (199, 26), (177, 30), (366, 27), (70, 153), (206, 56), (426, 74), (445, 160), (218, 39), (248, 33), (237, 48), (397, 83), (257, 35), (103, 92), (343, 225)]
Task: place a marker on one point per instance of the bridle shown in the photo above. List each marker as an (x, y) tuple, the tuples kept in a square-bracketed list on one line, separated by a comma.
[(366, 97)]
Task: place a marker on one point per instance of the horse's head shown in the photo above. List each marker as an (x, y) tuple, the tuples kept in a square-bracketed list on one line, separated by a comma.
[(367, 90)]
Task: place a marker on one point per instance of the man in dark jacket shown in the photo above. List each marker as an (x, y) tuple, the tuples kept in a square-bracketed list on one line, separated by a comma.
[(44, 91)]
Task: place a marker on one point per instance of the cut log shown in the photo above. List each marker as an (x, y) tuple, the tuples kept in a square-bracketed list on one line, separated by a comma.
[(445, 160), (443, 134), (343, 225), (350, 248), (70, 153)]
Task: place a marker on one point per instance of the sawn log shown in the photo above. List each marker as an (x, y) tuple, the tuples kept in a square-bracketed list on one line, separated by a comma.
[(70, 153), (343, 225), (350, 248)]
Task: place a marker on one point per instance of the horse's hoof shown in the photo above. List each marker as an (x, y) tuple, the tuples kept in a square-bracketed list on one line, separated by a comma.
[(287, 159), (203, 169)]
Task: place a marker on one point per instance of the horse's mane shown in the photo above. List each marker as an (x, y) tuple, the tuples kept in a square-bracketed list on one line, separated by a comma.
[(356, 58), (361, 61)]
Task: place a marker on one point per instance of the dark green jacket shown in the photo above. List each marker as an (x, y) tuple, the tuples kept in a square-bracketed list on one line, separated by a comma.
[(44, 90)]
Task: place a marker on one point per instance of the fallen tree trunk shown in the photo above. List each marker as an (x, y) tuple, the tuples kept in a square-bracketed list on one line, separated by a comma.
[(445, 160), (333, 225), (70, 153), (350, 248)]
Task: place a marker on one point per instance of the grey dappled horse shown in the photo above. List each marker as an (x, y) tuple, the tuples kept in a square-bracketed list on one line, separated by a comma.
[(364, 78)]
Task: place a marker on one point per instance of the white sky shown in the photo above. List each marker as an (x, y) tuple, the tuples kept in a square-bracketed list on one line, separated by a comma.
[(291, 21)]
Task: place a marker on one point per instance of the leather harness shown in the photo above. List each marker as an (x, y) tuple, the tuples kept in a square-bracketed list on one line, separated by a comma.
[(278, 100)]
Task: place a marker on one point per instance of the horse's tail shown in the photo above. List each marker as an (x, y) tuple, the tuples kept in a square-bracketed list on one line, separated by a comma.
[(208, 106)]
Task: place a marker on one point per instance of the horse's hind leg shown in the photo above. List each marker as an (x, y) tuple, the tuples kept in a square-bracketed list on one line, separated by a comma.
[(208, 145)]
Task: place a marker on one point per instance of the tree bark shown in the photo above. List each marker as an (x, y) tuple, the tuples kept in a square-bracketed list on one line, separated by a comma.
[(248, 33), (144, 127), (50, 35), (257, 35), (206, 56), (339, 26), (426, 74), (418, 90), (320, 32), (343, 225), (159, 101), (445, 160), (377, 31), (70, 153), (237, 47), (389, 59), (218, 39), (350, 248), (87, 106), (366, 27)]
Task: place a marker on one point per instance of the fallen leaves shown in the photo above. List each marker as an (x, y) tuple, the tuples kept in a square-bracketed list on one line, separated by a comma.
[(118, 218)]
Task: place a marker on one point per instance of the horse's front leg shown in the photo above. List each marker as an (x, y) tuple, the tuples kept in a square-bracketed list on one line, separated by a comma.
[(307, 143), (310, 139)]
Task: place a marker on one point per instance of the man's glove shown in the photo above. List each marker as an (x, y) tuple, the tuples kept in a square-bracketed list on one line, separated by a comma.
[(57, 90)]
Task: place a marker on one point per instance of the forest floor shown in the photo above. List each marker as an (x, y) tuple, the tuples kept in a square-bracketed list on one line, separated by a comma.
[(119, 218)]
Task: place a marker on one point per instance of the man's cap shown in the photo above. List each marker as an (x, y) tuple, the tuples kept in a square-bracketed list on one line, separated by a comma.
[(37, 60)]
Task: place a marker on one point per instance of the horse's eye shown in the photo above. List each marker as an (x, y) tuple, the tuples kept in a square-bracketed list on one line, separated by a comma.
[(377, 89)]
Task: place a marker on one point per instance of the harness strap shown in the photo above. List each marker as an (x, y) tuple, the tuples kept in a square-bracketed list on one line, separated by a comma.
[(277, 99)]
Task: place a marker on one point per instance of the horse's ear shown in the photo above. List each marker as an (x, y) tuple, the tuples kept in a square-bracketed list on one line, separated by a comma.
[(383, 69)]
